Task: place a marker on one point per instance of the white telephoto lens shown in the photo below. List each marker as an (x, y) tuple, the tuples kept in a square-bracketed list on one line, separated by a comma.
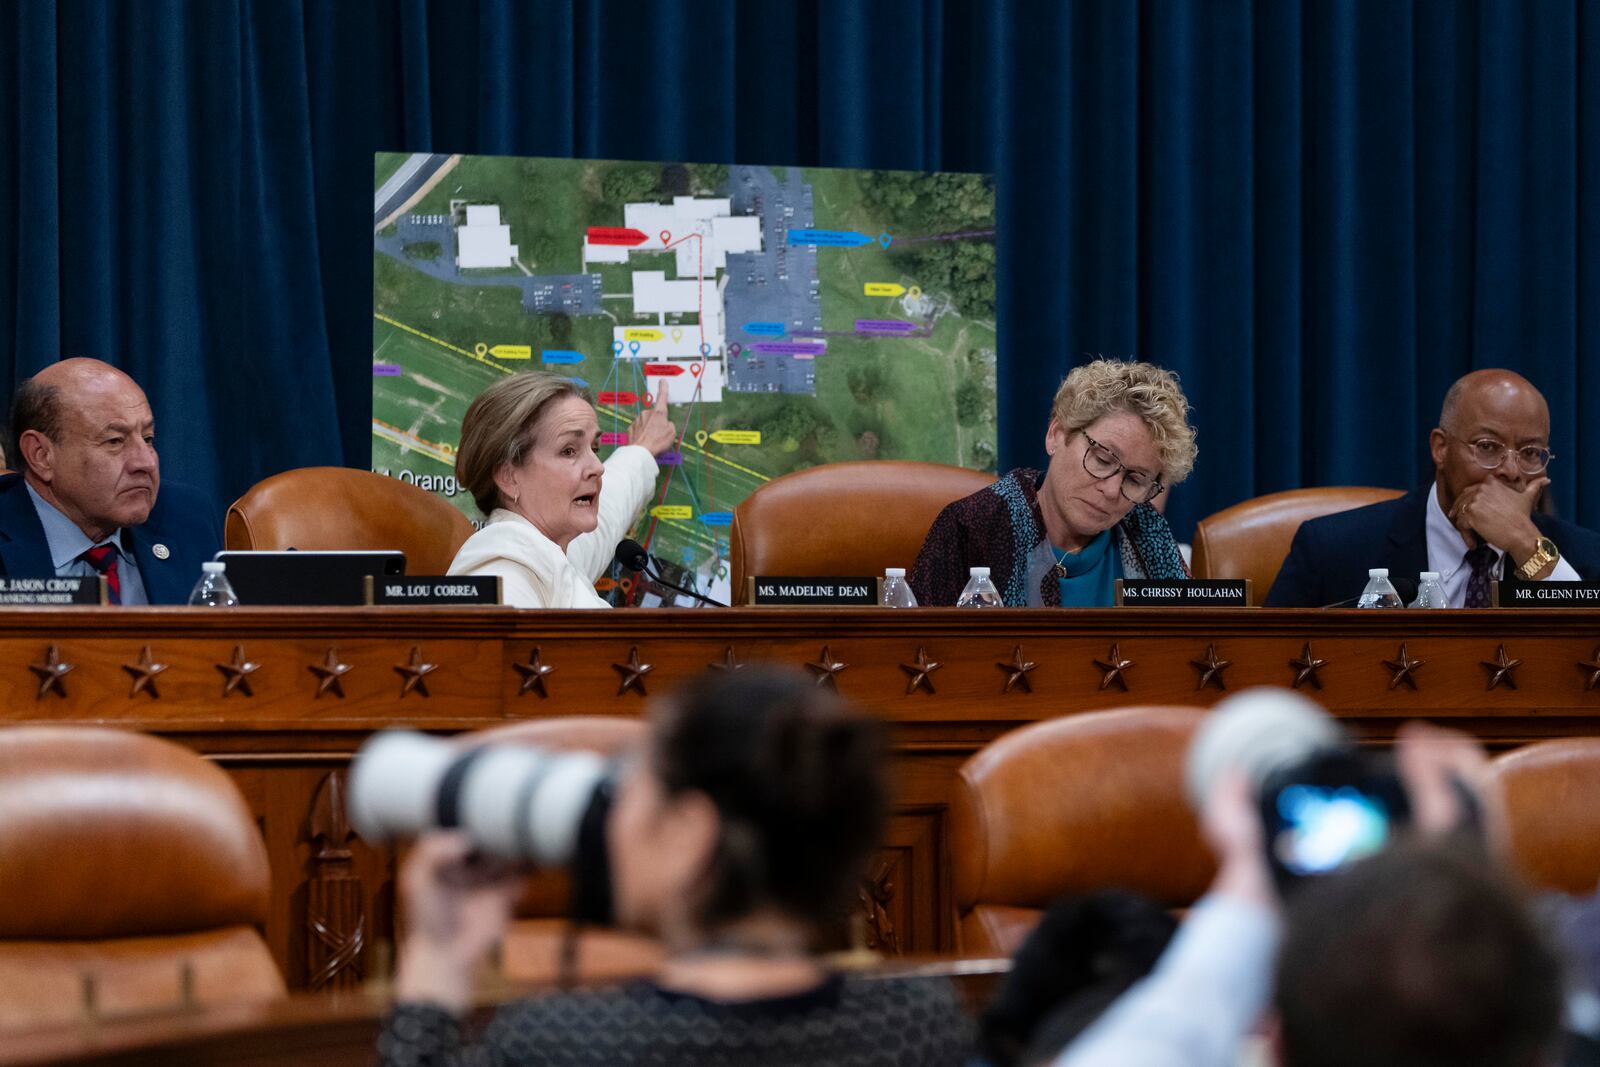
[(557, 811), (526, 803), (394, 784), (1257, 731)]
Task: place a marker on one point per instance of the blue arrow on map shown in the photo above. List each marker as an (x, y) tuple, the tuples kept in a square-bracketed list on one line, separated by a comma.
[(830, 238)]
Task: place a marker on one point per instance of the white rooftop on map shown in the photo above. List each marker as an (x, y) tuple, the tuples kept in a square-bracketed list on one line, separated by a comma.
[(483, 242), (720, 232)]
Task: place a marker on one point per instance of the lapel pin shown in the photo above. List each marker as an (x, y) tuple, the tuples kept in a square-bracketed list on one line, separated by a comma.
[(160, 551)]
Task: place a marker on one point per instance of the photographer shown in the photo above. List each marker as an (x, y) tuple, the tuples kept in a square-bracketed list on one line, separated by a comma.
[(737, 838), (1420, 954)]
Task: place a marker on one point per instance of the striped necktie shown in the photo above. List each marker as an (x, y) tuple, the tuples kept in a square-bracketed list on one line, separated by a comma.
[(103, 558)]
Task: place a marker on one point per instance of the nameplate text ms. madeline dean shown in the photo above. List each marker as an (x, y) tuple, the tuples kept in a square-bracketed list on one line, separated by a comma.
[(1187, 593), (1515, 594), (821, 591)]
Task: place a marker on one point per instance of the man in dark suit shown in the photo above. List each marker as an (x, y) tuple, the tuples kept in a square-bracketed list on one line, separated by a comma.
[(89, 497), (1474, 523)]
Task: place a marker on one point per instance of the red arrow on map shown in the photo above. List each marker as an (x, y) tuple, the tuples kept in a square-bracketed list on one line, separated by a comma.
[(616, 235), (662, 370)]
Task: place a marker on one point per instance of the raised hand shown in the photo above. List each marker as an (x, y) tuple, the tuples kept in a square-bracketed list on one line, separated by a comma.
[(653, 429)]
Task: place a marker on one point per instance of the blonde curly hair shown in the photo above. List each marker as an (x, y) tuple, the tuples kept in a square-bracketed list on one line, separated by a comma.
[(1106, 386)]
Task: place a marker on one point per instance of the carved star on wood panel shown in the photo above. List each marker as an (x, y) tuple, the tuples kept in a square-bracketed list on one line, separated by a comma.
[(1404, 667), (533, 674), (143, 671), (415, 673), (1592, 665), (236, 673), (728, 662), (1114, 669), (1211, 669), (827, 668), (632, 673), (1500, 669), (330, 673), (919, 675), (1017, 671), (52, 673), (1306, 668)]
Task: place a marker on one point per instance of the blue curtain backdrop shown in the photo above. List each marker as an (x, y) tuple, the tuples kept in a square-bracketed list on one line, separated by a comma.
[(1319, 213)]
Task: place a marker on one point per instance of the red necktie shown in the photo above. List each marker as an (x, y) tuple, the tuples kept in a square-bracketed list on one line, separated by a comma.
[(103, 558)]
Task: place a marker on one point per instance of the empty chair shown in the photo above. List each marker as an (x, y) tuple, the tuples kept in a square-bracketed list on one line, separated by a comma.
[(1251, 539), (132, 876), (329, 508), (1079, 803), (1551, 793), (843, 518)]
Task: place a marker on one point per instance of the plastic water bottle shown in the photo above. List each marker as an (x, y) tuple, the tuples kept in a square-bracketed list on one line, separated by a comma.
[(980, 591), (213, 590), (896, 590), (1380, 592), (1430, 592)]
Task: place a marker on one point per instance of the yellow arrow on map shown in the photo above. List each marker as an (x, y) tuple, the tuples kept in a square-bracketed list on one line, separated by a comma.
[(672, 511), (736, 437), (512, 352), (883, 289)]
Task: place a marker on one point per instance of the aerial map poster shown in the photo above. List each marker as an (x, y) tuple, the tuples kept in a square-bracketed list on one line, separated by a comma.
[(794, 316)]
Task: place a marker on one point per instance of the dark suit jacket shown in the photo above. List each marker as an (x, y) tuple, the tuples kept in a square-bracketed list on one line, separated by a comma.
[(183, 520), (1330, 556)]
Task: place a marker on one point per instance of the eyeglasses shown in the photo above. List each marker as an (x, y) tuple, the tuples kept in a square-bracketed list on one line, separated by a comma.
[(1489, 454), (1102, 463)]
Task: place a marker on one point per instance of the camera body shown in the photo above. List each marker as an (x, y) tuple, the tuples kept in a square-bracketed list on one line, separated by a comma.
[(515, 802), (1331, 807)]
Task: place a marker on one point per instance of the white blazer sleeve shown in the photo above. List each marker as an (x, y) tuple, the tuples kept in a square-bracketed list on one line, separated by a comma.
[(629, 480)]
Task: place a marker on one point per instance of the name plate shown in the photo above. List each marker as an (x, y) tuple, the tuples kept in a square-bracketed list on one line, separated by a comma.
[(52, 592), (427, 589), (1517, 594), (817, 591), (1184, 593)]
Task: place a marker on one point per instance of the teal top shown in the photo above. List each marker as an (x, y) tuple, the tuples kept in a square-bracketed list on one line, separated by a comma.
[(1086, 576)]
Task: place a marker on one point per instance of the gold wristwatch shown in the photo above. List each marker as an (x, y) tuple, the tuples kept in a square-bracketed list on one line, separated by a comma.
[(1544, 554)]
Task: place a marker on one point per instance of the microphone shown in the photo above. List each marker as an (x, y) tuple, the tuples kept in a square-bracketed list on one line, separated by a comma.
[(1258, 731), (632, 555)]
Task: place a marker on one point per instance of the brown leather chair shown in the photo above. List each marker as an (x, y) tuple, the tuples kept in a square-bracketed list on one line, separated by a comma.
[(1551, 794), (532, 950), (843, 518), (127, 859), (1251, 540), (326, 508), (1075, 804)]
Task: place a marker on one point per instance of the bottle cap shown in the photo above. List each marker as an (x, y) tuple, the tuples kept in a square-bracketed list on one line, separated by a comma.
[(978, 572), (1430, 576), (894, 572), (213, 567), (1378, 572)]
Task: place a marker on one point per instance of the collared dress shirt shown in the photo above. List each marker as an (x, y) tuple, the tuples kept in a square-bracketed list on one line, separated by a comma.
[(68, 544), (1447, 554)]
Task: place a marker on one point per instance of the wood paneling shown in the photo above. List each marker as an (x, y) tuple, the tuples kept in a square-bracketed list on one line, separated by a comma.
[(332, 899)]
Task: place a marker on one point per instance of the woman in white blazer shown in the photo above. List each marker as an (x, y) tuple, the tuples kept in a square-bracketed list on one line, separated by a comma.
[(555, 512)]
